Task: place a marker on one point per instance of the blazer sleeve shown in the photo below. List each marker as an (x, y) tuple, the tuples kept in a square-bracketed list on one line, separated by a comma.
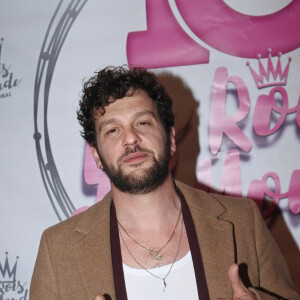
[(274, 277), (43, 283)]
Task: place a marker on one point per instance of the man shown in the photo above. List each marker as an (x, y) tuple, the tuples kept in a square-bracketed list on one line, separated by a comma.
[(152, 237)]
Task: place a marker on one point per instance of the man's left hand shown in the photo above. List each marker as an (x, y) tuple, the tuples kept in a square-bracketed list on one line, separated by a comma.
[(239, 290)]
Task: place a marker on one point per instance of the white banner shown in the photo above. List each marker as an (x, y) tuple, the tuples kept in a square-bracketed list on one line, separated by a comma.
[(232, 68)]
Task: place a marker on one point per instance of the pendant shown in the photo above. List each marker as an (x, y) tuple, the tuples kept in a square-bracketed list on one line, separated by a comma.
[(158, 257), (165, 284)]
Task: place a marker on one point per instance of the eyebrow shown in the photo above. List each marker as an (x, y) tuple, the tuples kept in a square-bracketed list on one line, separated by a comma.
[(135, 116), (142, 113)]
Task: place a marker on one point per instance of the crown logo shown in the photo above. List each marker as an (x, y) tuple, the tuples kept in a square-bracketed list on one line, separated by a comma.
[(1, 42), (270, 76), (8, 274)]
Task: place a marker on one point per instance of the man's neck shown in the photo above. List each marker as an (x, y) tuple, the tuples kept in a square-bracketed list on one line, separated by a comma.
[(149, 210)]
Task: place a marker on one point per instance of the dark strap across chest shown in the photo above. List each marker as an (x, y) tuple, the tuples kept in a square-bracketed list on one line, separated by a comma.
[(119, 280)]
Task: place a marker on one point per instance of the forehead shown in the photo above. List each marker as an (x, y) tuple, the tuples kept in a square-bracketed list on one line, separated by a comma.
[(127, 107)]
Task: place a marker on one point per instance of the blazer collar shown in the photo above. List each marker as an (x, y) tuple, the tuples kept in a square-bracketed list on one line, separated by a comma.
[(196, 199), (200, 200)]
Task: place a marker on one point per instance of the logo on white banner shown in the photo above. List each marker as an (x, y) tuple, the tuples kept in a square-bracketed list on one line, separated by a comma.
[(11, 288), (7, 77)]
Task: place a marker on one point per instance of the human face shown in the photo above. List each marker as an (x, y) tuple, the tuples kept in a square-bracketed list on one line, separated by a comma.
[(133, 148)]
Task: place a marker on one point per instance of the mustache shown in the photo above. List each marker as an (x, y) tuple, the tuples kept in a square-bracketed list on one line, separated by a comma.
[(134, 149)]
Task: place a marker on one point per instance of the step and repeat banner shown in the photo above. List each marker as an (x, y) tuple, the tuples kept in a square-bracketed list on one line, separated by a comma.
[(231, 67)]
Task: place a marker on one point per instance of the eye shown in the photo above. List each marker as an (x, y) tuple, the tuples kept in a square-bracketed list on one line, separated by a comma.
[(144, 123), (111, 131)]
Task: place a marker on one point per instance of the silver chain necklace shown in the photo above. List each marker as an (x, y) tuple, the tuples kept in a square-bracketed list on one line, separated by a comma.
[(157, 255), (139, 264)]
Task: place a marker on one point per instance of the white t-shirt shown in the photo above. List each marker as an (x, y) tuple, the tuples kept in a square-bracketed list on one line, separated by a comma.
[(181, 282)]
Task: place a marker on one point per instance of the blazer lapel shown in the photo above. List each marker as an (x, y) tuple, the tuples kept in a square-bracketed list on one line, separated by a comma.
[(217, 249), (216, 239), (93, 252)]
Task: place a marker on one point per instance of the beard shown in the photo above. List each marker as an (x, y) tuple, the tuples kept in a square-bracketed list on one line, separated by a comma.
[(146, 180)]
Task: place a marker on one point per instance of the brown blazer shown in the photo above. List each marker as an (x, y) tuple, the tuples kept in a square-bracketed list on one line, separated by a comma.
[(74, 259)]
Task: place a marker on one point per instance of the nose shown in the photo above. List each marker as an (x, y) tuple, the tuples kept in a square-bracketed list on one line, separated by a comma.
[(131, 137)]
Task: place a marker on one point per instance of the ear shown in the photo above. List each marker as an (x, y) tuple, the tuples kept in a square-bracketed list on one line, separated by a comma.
[(172, 141), (96, 157)]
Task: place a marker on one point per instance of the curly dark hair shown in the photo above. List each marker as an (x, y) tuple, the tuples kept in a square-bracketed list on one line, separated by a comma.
[(113, 83)]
